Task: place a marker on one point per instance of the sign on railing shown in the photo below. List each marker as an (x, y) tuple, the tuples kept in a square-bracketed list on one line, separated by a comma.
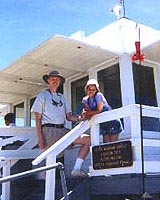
[(113, 155)]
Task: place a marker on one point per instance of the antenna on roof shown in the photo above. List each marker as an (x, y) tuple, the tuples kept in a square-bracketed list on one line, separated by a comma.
[(123, 6), (117, 9)]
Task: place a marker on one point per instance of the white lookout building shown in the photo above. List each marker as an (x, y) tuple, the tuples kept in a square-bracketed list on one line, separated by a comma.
[(131, 88)]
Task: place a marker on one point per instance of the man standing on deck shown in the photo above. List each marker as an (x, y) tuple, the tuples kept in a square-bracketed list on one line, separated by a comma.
[(51, 111)]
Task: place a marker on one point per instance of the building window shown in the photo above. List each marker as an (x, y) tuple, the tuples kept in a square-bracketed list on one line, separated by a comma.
[(109, 80), (32, 116), (77, 91), (19, 113), (145, 93)]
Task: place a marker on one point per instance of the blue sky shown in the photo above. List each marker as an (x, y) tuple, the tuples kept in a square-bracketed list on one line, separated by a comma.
[(26, 23)]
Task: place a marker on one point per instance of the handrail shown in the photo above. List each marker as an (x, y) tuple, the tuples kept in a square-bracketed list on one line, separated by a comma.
[(72, 135), (65, 141), (58, 166), (122, 112)]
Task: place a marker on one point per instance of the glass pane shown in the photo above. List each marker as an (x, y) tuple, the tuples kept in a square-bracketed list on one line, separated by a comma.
[(145, 94), (144, 85), (19, 112), (109, 80), (77, 92), (32, 115)]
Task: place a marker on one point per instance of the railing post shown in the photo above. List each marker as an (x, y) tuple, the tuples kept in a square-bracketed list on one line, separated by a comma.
[(63, 181), (50, 178), (135, 122), (136, 135), (6, 186), (94, 129), (94, 133)]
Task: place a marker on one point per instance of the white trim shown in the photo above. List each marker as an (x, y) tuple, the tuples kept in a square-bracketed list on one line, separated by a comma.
[(150, 62), (156, 73), (27, 112)]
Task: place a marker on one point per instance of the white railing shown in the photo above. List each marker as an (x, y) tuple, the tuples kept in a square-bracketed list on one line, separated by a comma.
[(130, 111), (29, 137), (10, 157), (59, 166)]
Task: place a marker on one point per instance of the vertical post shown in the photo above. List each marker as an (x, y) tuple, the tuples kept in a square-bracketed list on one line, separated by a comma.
[(157, 82), (94, 133), (50, 178), (92, 74), (63, 182), (123, 5), (141, 120), (6, 186), (140, 57), (94, 129), (141, 117), (124, 10), (135, 135), (127, 90), (135, 122), (27, 112)]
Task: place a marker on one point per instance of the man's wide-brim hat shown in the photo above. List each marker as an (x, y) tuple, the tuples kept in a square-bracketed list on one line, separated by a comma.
[(53, 74)]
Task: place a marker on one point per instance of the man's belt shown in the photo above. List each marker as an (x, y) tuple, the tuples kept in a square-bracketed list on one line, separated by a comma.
[(53, 125)]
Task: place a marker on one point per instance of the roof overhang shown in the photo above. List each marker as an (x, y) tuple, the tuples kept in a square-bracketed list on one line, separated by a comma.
[(23, 78), (152, 52)]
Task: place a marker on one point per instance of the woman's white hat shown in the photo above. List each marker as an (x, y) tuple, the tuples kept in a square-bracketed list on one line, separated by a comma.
[(92, 82)]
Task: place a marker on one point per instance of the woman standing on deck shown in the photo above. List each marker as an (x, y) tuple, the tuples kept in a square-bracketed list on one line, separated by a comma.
[(95, 103)]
